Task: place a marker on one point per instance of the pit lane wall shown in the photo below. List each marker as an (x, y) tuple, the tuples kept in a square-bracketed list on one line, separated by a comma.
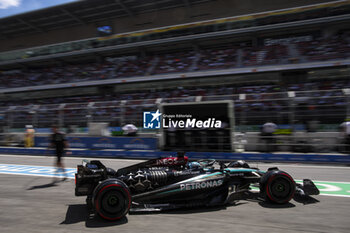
[(261, 157), (102, 143)]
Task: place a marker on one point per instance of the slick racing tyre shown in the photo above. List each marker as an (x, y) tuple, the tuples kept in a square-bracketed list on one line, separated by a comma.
[(111, 199), (277, 187)]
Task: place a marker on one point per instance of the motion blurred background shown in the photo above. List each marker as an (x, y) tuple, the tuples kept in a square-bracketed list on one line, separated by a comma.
[(108, 61)]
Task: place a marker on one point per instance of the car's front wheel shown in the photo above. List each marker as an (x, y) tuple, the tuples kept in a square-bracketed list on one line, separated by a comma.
[(277, 186)]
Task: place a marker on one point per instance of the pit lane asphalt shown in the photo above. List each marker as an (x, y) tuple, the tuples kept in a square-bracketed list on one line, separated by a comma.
[(33, 204)]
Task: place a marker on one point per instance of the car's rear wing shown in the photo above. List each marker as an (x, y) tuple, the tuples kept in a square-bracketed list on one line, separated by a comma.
[(88, 175)]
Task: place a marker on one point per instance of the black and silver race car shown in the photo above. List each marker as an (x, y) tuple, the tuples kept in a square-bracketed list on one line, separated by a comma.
[(174, 182)]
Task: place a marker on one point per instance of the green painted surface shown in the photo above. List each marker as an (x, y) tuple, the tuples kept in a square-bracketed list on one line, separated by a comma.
[(329, 188), (333, 188)]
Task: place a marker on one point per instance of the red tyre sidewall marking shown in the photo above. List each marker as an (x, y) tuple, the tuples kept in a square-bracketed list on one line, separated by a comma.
[(270, 179), (98, 207)]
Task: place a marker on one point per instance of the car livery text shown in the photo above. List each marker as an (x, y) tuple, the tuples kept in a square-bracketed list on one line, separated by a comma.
[(201, 185)]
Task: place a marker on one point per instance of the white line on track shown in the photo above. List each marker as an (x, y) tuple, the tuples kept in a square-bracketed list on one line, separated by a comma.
[(23, 174), (339, 182), (304, 166), (27, 165), (333, 195), (323, 181), (74, 158)]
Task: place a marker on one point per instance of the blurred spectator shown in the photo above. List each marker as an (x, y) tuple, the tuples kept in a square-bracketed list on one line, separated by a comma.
[(217, 59), (29, 136), (345, 135), (267, 135), (174, 62), (130, 130), (318, 49)]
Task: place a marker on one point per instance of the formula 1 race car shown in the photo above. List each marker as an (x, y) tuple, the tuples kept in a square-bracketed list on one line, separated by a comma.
[(174, 182)]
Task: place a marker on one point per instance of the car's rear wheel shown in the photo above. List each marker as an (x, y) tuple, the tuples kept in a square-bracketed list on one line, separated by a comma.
[(112, 199), (277, 186)]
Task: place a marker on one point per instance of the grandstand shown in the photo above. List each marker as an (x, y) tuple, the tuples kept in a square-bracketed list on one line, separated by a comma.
[(127, 99), (285, 61)]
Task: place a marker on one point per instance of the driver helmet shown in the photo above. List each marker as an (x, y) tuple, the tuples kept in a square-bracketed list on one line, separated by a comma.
[(194, 165), (239, 163)]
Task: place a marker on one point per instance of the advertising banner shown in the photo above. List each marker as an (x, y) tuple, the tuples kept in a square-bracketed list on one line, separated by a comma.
[(112, 143)]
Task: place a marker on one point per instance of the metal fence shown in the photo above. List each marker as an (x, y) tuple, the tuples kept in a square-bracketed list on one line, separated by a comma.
[(326, 107), (302, 117)]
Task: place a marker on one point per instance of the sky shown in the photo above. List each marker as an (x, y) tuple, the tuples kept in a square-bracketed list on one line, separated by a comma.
[(13, 7)]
